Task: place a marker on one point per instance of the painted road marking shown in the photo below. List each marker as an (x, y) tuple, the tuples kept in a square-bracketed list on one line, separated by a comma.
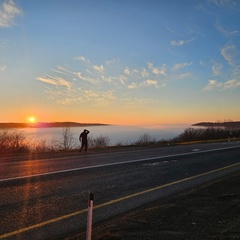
[(112, 164), (196, 150), (54, 220)]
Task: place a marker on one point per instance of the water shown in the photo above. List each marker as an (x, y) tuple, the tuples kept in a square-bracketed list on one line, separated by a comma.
[(117, 134)]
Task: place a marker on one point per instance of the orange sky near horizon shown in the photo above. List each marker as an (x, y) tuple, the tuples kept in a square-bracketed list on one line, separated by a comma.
[(137, 117)]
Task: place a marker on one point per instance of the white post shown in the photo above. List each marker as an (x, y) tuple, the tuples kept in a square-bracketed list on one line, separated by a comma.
[(89, 219)]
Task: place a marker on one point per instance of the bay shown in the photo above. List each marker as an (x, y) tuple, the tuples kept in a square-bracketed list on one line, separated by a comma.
[(117, 134)]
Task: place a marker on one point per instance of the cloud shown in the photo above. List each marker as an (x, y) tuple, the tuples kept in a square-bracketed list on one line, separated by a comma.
[(180, 42), (63, 96), (98, 68), (225, 31), (123, 79), (223, 3), (230, 84), (132, 86), (61, 70), (8, 12), (79, 75), (56, 81), (127, 71), (100, 98), (145, 73), (3, 68), (179, 66), (212, 84), (134, 102), (177, 43), (216, 69), (151, 82), (184, 75), (172, 31), (81, 58), (157, 70), (231, 54), (104, 84)]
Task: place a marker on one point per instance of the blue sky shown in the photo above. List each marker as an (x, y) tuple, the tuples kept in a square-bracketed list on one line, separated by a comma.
[(120, 62)]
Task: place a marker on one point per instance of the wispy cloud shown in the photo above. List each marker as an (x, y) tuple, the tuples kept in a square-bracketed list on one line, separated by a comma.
[(225, 31), (231, 54), (57, 81), (234, 83), (223, 3), (99, 98), (98, 68), (61, 70), (173, 31), (132, 86), (88, 79), (177, 43), (82, 58), (8, 12), (134, 102), (104, 84), (184, 75), (216, 69), (157, 70), (230, 84), (179, 66), (151, 82), (2, 68)]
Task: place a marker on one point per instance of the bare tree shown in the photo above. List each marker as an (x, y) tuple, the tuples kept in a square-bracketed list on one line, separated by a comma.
[(67, 140), (145, 139)]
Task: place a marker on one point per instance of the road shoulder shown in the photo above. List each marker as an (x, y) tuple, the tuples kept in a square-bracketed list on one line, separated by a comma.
[(211, 211)]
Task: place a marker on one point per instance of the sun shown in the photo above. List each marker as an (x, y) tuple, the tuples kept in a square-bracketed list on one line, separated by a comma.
[(32, 119)]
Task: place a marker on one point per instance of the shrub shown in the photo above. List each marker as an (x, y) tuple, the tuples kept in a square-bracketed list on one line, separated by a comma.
[(100, 141), (40, 146), (145, 139), (13, 142)]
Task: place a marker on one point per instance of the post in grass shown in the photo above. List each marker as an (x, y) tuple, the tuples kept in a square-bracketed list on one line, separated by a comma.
[(89, 218)]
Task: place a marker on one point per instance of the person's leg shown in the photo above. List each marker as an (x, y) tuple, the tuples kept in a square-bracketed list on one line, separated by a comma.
[(81, 147), (86, 146)]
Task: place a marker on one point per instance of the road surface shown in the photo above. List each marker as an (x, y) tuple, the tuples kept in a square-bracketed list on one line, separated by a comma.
[(45, 196)]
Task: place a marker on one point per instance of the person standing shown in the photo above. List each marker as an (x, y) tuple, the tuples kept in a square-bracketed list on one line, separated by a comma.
[(83, 139)]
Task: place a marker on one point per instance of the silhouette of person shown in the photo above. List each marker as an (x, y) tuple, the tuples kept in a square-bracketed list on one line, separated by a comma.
[(83, 139)]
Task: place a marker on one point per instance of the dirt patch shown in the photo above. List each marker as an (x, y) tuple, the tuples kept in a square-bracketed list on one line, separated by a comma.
[(211, 211)]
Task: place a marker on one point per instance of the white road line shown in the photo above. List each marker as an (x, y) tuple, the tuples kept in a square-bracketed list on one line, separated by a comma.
[(117, 163)]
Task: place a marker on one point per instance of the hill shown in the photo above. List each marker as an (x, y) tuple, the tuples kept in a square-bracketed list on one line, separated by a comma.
[(227, 125)]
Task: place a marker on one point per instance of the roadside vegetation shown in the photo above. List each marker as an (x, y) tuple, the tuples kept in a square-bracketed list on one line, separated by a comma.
[(204, 134), (17, 142)]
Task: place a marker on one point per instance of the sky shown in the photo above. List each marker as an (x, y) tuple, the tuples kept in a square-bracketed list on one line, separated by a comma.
[(120, 61)]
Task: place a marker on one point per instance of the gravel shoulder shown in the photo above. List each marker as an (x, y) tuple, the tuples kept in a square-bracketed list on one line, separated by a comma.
[(211, 211)]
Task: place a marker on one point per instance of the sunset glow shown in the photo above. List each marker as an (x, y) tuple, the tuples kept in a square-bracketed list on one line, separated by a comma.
[(31, 119)]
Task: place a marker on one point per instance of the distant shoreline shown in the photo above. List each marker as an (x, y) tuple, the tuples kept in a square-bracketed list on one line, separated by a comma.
[(48, 125), (228, 125)]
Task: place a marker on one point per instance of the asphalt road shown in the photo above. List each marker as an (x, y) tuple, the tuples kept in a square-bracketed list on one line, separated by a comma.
[(46, 196)]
